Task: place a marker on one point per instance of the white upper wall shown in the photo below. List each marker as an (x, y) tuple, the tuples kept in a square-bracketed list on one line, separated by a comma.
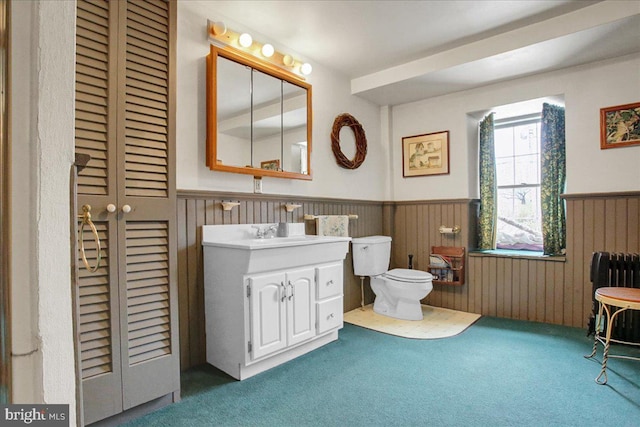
[(331, 97), (586, 90)]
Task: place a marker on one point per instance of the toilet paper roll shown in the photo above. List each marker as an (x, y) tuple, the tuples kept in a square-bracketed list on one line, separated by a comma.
[(446, 230)]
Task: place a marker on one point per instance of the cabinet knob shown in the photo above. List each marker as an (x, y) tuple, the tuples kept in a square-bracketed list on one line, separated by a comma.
[(330, 282), (330, 316), (126, 208), (111, 208)]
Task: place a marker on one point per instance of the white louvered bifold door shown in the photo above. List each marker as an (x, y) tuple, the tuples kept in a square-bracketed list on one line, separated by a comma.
[(125, 122)]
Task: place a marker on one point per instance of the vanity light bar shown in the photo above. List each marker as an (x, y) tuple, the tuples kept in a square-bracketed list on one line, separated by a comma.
[(222, 36)]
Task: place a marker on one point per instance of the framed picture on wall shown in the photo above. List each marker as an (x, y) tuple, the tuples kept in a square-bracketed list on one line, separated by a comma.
[(426, 154), (273, 165), (620, 126)]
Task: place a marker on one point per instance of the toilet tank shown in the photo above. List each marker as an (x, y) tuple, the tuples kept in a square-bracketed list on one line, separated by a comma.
[(371, 255)]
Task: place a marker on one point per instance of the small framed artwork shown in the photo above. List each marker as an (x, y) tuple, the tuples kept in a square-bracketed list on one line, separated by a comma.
[(272, 165), (620, 126), (426, 154)]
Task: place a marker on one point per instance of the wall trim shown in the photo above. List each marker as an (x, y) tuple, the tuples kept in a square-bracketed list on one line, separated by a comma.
[(611, 195), (431, 202), (189, 194), (205, 194)]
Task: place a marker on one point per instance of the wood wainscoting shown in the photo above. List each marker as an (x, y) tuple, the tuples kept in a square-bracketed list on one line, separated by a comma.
[(595, 222), (552, 290), (415, 226), (558, 292), (198, 208), (547, 289)]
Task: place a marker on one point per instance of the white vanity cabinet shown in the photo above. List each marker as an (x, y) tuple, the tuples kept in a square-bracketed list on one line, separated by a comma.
[(269, 301)]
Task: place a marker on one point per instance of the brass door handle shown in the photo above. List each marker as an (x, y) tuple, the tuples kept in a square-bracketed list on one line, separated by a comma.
[(86, 220)]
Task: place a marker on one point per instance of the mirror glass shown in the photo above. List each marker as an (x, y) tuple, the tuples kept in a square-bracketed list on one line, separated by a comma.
[(294, 128), (258, 118), (234, 113), (266, 121)]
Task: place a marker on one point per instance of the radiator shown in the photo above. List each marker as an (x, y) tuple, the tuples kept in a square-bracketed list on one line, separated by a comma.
[(618, 270)]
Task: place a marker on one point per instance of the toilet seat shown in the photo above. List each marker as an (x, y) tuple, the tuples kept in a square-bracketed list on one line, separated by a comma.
[(408, 276)]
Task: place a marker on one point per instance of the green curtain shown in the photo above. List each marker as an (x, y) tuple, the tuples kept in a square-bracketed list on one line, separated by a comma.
[(553, 170), (488, 187)]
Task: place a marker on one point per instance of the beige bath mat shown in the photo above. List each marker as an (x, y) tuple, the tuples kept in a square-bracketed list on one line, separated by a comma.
[(437, 322)]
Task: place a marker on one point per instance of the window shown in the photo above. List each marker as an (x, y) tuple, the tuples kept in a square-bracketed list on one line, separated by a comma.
[(522, 175), (517, 151)]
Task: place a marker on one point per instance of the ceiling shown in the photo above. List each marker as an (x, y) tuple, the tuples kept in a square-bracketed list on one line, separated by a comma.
[(401, 51)]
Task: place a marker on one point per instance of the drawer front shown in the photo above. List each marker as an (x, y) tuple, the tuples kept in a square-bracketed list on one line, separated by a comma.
[(329, 314), (329, 281)]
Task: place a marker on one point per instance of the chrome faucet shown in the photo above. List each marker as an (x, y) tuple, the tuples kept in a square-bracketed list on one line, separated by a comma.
[(266, 231)]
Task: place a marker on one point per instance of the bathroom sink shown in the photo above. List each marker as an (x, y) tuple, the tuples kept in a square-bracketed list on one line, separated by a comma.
[(280, 242), (239, 244)]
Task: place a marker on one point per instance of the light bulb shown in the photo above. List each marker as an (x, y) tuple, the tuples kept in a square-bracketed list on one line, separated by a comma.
[(287, 60), (267, 50), (219, 28), (306, 68), (245, 40)]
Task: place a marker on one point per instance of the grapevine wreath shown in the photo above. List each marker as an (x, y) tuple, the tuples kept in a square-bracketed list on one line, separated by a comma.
[(346, 119)]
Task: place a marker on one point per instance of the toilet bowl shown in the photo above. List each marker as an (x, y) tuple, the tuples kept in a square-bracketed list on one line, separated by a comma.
[(398, 291)]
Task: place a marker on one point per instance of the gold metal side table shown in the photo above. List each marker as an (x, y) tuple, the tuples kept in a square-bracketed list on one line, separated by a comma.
[(618, 300)]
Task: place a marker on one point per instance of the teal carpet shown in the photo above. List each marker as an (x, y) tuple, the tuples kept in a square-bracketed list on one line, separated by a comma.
[(497, 373)]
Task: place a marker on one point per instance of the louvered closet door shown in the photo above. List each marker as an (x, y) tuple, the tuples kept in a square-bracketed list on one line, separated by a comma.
[(146, 182), (95, 133), (125, 121)]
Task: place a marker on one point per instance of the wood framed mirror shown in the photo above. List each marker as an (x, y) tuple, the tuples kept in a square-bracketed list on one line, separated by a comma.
[(259, 117)]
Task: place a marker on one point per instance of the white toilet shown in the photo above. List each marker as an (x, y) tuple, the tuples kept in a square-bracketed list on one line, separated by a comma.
[(398, 291)]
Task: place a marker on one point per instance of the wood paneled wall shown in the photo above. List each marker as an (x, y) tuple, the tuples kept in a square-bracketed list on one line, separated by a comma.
[(415, 226), (550, 289), (196, 209), (517, 288), (596, 222)]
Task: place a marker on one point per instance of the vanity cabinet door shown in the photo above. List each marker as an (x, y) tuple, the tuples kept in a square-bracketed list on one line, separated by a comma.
[(301, 315), (268, 314)]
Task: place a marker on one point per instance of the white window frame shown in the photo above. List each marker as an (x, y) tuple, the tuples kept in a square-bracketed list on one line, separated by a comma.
[(511, 122)]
